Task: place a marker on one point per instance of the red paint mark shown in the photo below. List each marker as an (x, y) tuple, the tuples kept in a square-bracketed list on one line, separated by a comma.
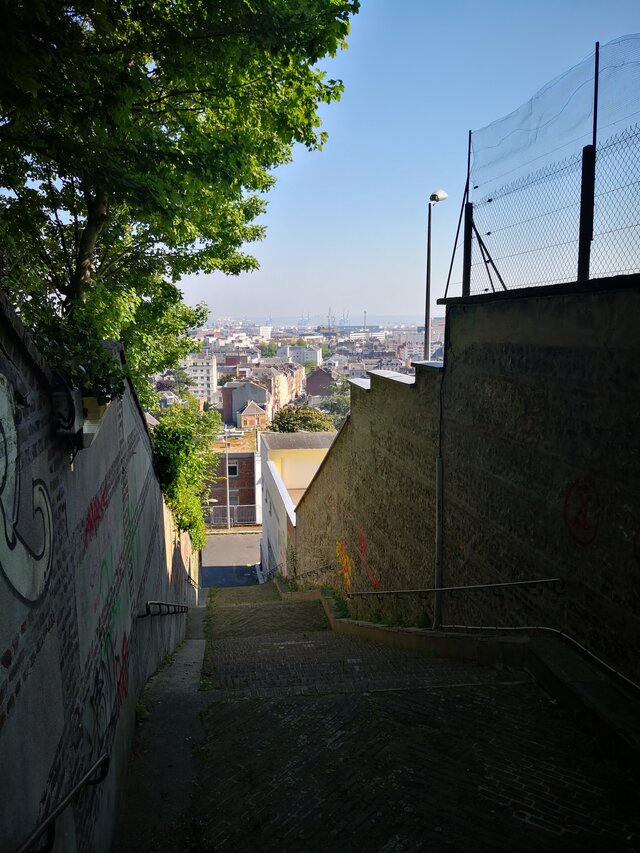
[(363, 551), (95, 513), (582, 511)]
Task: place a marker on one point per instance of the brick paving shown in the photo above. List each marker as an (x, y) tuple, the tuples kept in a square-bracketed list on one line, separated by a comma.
[(317, 742)]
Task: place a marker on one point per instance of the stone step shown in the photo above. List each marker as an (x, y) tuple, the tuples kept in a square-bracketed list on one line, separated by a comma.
[(253, 620)]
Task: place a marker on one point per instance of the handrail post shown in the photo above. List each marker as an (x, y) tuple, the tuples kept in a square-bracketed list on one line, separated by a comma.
[(587, 202)]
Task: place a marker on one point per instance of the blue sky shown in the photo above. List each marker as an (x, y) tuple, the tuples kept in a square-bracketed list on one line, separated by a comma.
[(346, 226)]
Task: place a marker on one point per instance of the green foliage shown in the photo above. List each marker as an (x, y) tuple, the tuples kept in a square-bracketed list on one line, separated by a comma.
[(185, 464), (181, 380), (340, 606), (299, 418), (227, 377), (268, 350), (142, 712), (338, 405), (137, 140), (292, 561)]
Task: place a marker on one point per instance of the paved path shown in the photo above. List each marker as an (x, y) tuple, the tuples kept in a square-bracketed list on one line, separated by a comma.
[(163, 763), (229, 560), (317, 742)]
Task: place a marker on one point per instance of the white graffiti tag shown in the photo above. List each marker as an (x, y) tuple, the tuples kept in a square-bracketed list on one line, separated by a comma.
[(24, 560)]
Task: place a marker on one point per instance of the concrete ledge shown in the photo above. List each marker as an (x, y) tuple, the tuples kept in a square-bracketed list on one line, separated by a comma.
[(600, 703)]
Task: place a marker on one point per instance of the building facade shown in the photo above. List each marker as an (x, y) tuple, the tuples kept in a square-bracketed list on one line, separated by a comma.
[(289, 462)]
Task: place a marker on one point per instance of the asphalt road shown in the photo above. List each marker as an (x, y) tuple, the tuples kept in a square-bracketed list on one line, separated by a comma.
[(230, 560)]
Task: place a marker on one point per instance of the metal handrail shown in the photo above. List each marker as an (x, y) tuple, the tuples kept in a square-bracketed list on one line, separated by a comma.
[(270, 573), (165, 608), (627, 681), (48, 824), (312, 571), (381, 592)]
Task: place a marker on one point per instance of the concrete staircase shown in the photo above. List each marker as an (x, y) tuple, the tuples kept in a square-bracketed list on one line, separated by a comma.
[(317, 741)]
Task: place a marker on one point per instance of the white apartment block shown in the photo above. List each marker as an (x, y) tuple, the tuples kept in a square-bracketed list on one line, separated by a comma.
[(301, 354), (203, 373)]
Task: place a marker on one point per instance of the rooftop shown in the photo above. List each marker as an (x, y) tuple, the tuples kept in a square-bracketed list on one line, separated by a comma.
[(297, 440), (238, 444)]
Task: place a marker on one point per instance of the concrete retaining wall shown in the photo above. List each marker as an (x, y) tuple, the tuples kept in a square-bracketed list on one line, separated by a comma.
[(370, 511), (541, 451), (85, 541), (541, 448)]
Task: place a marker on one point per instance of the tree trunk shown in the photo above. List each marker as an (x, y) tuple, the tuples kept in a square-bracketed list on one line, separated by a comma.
[(97, 212)]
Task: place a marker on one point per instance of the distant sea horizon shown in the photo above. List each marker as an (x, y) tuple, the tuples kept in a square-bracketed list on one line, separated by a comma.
[(321, 320)]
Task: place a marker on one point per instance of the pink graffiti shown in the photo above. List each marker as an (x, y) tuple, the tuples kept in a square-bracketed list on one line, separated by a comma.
[(95, 513), (363, 552)]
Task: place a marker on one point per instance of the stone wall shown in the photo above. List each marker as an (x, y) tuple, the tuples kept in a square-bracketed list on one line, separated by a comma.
[(541, 449), (541, 456), (369, 514), (85, 541)]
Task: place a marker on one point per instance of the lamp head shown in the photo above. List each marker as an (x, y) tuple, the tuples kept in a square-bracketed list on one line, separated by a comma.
[(438, 195)]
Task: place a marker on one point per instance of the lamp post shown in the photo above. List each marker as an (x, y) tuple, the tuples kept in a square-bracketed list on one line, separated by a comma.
[(434, 198), (226, 453)]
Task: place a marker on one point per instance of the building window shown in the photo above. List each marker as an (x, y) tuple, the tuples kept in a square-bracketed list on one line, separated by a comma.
[(234, 498), (233, 469)]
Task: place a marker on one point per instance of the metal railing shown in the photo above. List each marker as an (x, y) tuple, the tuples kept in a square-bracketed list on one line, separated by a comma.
[(626, 682), (238, 515), (162, 608), (556, 584), (271, 573), (422, 593), (319, 570), (48, 824)]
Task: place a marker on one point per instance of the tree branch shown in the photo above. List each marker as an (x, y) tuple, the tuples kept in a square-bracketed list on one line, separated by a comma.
[(54, 209), (97, 212)]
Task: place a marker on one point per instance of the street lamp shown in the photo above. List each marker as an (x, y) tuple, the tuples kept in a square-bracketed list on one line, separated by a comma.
[(226, 454), (434, 198)]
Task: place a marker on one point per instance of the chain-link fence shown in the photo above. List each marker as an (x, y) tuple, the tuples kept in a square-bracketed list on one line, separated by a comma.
[(553, 191), (616, 229)]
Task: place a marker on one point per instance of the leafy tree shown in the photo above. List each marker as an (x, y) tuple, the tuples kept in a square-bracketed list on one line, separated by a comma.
[(268, 350), (227, 377), (181, 380), (338, 404), (165, 383), (185, 464), (299, 418), (137, 140)]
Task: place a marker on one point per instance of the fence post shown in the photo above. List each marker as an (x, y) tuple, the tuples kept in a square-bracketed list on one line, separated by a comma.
[(466, 249), (587, 200)]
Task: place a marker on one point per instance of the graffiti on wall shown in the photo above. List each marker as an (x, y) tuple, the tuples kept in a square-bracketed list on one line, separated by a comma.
[(26, 563), (95, 513), (346, 565), (108, 692), (363, 553), (110, 683)]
